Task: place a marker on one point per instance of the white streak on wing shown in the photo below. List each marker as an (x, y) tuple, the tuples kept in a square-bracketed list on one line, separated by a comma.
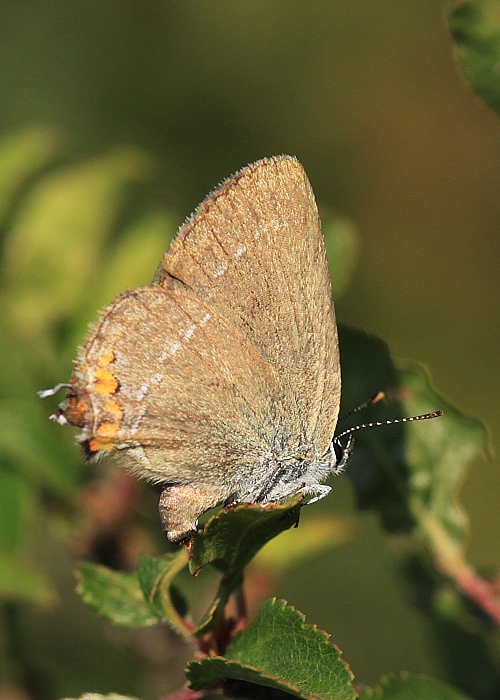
[(173, 348), (157, 378), (134, 427), (242, 249), (142, 393), (190, 331), (221, 271)]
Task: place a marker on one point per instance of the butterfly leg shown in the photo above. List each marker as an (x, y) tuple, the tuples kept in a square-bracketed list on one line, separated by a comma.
[(321, 491), (280, 492)]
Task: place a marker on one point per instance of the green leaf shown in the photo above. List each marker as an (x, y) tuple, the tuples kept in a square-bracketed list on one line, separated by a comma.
[(232, 538), (130, 262), (280, 650), (56, 244), (156, 576), (136, 255), (437, 465), (475, 26), (409, 686), (342, 247), (20, 581), (409, 472), (151, 570), (116, 596), (27, 440), (22, 154), (16, 506), (438, 454), (235, 534), (377, 468)]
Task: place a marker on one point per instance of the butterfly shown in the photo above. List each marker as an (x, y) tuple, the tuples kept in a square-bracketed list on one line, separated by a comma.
[(221, 381)]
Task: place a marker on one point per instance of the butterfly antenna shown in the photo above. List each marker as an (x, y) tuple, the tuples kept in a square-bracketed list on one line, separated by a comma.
[(424, 416), (50, 392), (375, 399)]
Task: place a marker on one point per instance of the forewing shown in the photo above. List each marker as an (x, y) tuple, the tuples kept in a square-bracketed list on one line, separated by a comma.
[(254, 252)]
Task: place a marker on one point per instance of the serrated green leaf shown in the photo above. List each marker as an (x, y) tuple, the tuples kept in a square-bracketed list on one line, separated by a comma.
[(151, 569), (235, 534), (57, 239), (410, 686), (376, 469), (475, 26), (116, 596), (438, 455), (409, 472), (437, 466), (232, 538), (156, 576), (280, 650)]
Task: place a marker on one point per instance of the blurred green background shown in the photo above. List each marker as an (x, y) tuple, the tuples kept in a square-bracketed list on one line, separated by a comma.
[(369, 98)]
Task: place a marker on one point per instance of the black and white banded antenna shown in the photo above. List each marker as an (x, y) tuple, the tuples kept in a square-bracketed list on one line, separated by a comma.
[(375, 399), (342, 454)]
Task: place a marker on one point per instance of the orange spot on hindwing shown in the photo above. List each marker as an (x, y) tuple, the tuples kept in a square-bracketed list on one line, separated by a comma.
[(108, 413), (104, 437), (93, 403), (105, 381)]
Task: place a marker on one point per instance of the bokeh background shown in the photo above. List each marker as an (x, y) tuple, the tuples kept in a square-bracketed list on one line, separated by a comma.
[(370, 99)]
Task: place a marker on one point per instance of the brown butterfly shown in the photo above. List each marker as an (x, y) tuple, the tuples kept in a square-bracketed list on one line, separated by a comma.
[(221, 381)]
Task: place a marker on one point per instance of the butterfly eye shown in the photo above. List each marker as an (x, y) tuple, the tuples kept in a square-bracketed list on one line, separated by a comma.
[(338, 451)]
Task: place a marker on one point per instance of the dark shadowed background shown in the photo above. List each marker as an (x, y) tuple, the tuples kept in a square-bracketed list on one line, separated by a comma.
[(369, 98)]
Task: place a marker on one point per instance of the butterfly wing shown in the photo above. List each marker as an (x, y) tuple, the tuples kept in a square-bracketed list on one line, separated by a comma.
[(254, 252)]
